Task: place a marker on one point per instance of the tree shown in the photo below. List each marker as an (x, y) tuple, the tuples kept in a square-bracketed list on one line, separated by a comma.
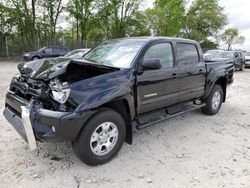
[(208, 45), (166, 18), (231, 36), (6, 25), (25, 21), (82, 11), (52, 11), (138, 25), (204, 19), (116, 15)]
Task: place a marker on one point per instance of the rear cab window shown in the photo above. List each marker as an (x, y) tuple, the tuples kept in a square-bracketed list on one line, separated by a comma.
[(187, 54)]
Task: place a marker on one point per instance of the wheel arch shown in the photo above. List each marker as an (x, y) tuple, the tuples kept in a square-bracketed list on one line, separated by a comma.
[(223, 83), (38, 56), (123, 108)]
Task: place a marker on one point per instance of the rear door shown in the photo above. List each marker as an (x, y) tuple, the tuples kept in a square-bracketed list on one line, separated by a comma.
[(192, 71), (158, 88)]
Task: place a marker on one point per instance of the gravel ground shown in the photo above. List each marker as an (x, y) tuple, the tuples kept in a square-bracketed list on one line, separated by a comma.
[(192, 150)]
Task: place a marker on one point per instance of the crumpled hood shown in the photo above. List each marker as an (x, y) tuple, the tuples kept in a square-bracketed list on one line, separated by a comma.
[(46, 69), (43, 69)]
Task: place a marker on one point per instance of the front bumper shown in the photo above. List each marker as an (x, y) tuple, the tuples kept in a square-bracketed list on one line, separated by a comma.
[(47, 125), (27, 58)]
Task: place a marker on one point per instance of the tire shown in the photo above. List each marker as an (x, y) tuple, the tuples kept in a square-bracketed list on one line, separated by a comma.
[(214, 101), (35, 58), (242, 67), (90, 147)]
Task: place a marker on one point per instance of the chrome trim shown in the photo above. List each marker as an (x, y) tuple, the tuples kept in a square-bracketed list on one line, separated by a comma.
[(150, 95), (8, 91), (28, 127)]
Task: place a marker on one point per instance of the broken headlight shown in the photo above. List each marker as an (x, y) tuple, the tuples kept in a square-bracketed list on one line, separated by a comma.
[(60, 91)]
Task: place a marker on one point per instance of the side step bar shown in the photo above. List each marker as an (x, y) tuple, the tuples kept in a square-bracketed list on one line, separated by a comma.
[(168, 116)]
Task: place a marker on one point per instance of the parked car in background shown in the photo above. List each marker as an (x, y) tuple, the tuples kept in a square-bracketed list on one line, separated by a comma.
[(247, 57), (45, 52), (242, 58), (221, 55), (211, 53), (77, 54)]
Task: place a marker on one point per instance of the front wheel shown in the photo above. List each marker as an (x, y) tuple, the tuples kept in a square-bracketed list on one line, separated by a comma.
[(214, 101), (101, 139)]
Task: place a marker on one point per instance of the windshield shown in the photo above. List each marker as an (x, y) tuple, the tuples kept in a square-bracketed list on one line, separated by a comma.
[(212, 52), (72, 53), (41, 49), (118, 54), (220, 54), (225, 55), (76, 54)]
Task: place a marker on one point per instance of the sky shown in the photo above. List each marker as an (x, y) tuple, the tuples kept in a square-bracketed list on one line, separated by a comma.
[(238, 13)]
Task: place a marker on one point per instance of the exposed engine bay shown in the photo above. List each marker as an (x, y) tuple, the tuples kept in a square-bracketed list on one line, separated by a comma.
[(53, 94), (76, 72)]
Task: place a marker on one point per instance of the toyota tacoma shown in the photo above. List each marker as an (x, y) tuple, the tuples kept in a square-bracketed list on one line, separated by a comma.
[(96, 101)]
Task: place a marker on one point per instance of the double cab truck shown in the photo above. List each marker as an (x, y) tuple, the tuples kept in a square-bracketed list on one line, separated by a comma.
[(95, 102)]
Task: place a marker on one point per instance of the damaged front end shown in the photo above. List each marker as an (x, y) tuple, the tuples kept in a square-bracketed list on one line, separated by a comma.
[(40, 100), (44, 109)]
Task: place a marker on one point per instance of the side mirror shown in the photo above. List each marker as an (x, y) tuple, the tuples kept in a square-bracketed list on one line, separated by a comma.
[(43, 51), (151, 64)]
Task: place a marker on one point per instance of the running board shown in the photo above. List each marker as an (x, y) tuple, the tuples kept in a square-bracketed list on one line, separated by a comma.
[(168, 116)]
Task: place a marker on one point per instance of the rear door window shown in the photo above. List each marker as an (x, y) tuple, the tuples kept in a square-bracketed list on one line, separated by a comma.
[(187, 54)]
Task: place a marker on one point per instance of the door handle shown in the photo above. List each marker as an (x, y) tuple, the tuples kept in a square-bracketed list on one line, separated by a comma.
[(174, 75)]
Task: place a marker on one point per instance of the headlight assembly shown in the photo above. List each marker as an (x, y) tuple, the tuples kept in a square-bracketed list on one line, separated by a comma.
[(61, 96), (60, 92)]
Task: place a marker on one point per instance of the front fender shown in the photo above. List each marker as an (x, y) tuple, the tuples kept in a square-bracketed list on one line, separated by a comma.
[(94, 92)]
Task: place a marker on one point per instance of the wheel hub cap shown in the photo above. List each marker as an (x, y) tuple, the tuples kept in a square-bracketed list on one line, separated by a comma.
[(216, 100), (104, 138)]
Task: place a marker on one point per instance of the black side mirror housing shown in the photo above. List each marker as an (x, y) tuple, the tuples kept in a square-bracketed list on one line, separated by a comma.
[(151, 64)]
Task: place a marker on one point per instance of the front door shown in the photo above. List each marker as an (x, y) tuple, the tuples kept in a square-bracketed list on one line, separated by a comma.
[(158, 88)]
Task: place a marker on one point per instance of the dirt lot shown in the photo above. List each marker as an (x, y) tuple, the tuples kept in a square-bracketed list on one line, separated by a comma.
[(193, 150)]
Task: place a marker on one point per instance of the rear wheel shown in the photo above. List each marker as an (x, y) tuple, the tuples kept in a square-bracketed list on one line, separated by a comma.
[(101, 139), (214, 101)]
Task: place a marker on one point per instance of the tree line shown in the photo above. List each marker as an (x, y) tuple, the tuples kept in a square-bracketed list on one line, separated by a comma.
[(30, 24)]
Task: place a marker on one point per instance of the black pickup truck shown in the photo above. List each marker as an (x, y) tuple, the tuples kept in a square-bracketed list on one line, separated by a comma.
[(95, 102)]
